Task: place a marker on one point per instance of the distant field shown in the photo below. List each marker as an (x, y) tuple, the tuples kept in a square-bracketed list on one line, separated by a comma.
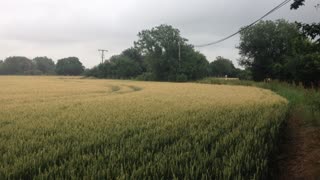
[(68, 127)]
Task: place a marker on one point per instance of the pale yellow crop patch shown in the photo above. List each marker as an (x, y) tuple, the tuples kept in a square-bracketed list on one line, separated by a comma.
[(50, 126), (33, 90)]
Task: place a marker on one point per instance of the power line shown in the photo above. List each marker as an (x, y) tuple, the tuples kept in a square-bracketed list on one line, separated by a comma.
[(246, 27)]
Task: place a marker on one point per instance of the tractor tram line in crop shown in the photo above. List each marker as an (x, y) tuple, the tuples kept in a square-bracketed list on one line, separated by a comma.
[(114, 129)]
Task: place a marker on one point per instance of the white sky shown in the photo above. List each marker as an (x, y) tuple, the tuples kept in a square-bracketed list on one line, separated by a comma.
[(63, 28)]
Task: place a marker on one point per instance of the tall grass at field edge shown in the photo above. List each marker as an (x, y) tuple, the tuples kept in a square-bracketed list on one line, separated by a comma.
[(302, 102)]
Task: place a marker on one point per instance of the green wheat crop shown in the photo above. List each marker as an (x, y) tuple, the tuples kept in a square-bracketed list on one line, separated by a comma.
[(72, 128)]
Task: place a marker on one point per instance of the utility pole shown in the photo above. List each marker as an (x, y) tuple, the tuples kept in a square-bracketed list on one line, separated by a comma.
[(179, 51), (179, 55), (102, 54)]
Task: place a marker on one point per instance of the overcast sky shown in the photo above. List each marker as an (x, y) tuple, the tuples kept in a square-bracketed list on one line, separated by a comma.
[(63, 28)]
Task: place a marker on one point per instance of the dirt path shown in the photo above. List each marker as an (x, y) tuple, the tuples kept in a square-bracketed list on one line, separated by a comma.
[(300, 151)]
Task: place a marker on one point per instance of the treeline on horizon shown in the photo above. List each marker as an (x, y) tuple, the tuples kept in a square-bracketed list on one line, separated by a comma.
[(161, 54), (20, 65), (270, 49)]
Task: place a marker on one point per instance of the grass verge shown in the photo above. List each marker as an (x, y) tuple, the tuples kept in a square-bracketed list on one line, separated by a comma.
[(305, 102)]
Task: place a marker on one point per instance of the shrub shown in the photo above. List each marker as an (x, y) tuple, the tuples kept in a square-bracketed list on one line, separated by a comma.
[(147, 76), (181, 78)]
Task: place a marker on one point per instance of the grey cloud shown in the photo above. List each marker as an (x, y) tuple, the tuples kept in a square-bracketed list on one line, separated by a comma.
[(59, 28)]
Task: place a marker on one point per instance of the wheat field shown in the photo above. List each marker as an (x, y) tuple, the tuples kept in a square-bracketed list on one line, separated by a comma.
[(73, 128)]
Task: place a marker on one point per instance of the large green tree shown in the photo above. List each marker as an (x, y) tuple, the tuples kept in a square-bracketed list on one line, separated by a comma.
[(159, 54), (221, 67), (265, 46), (69, 66), (45, 65), (17, 65), (168, 56)]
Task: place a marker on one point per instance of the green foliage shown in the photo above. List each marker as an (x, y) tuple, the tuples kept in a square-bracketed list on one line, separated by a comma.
[(244, 74), (222, 81), (193, 64), (160, 40), (297, 3), (136, 56), (155, 57), (146, 76), (311, 30), (221, 67), (308, 70), (160, 46), (17, 65), (313, 102), (263, 48), (100, 71), (1, 66), (119, 67), (69, 66), (182, 78), (44, 65), (124, 67), (278, 50)]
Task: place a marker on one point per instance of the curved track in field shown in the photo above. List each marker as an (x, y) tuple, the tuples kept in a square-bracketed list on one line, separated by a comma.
[(121, 89)]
